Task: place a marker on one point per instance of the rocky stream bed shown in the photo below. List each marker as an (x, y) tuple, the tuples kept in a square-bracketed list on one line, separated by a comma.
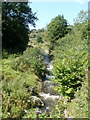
[(47, 98)]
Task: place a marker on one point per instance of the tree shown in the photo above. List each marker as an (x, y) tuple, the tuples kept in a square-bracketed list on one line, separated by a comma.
[(15, 19), (39, 39), (81, 24), (82, 17), (57, 28)]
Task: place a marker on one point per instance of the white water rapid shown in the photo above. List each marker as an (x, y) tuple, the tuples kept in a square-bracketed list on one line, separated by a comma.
[(48, 95)]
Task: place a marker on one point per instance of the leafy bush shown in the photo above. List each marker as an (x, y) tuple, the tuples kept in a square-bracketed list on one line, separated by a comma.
[(39, 39), (32, 59), (15, 27), (30, 113), (70, 61), (17, 87), (57, 28), (79, 106), (69, 72)]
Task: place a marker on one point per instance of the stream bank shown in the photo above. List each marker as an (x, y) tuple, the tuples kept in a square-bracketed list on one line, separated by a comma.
[(47, 97)]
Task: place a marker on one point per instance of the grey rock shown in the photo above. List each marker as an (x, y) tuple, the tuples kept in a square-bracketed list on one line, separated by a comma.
[(36, 101)]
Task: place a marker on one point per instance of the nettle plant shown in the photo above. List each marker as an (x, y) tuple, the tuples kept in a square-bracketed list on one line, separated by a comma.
[(69, 72)]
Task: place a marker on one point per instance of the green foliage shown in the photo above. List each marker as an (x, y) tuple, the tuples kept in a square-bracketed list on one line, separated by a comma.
[(70, 61), (36, 38), (22, 73), (81, 24), (20, 82), (79, 106), (70, 65), (69, 72), (30, 114), (55, 112), (39, 39), (81, 18), (15, 19), (57, 28), (5, 54), (16, 92), (31, 59)]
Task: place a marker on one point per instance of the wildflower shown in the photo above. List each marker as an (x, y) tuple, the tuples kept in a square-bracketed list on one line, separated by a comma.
[(38, 112), (47, 111), (8, 113), (25, 111)]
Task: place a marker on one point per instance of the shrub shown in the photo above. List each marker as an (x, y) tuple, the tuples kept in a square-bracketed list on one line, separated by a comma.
[(16, 89), (70, 61), (79, 106), (69, 73), (32, 59)]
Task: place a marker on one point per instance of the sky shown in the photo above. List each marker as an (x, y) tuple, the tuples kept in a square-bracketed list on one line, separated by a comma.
[(46, 11)]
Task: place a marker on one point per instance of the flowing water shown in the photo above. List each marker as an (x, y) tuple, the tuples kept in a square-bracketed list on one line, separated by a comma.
[(48, 95)]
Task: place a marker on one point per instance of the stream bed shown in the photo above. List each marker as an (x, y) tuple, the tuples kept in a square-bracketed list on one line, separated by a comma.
[(47, 94)]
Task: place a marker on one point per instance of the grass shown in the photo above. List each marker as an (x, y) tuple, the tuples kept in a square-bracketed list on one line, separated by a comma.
[(78, 107), (17, 87)]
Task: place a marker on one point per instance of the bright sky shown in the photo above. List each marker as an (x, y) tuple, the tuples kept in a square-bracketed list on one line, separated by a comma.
[(48, 10)]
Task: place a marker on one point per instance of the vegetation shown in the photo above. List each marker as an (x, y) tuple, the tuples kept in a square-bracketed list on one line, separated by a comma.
[(31, 59), (36, 37), (70, 66), (56, 29), (19, 83), (15, 19), (79, 105), (22, 74)]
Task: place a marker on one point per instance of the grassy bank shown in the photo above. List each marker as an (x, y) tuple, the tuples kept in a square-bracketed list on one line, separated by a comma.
[(20, 80)]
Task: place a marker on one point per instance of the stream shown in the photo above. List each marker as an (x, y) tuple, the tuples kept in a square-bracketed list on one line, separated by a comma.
[(48, 95)]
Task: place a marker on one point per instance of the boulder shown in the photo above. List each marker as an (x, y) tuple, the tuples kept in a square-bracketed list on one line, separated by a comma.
[(36, 101)]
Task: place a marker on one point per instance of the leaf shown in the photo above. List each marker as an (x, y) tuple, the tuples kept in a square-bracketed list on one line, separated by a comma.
[(70, 90)]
